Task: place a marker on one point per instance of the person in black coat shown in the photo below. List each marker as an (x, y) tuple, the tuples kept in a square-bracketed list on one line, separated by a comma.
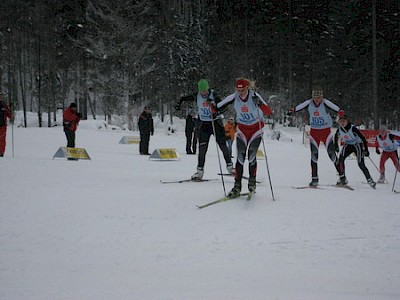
[(146, 128), (190, 134)]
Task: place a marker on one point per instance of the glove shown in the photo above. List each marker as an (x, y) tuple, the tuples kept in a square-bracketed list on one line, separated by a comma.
[(366, 153), (341, 113), (178, 106), (213, 107), (377, 151), (151, 133), (290, 111), (79, 115)]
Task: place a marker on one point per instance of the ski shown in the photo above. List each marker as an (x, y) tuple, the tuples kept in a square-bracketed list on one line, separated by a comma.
[(223, 199), (187, 180), (307, 187), (344, 186), (233, 175)]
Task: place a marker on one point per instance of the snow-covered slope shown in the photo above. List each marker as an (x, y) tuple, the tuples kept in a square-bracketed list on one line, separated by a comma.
[(108, 229)]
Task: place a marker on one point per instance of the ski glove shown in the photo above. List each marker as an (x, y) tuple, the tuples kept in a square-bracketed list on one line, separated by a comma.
[(366, 153), (377, 151), (290, 111)]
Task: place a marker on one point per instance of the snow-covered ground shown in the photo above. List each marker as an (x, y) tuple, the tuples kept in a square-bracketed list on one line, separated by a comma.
[(108, 229)]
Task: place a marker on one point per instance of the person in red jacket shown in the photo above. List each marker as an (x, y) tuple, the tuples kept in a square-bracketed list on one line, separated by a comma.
[(386, 141), (71, 120), (5, 112)]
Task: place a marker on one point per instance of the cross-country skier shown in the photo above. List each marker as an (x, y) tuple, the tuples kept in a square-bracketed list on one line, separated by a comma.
[(354, 142), (249, 107), (320, 124), (386, 142), (203, 98)]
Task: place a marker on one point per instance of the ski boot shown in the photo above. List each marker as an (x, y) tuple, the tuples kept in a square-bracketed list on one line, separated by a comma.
[(342, 180), (382, 179), (371, 183), (252, 184), (235, 192), (314, 182), (198, 176)]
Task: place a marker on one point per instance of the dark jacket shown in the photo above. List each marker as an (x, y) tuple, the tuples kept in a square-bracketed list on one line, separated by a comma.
[(190, 125), (5, 113), (145, 123)]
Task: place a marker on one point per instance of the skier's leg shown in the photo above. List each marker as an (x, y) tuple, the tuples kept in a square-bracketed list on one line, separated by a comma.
[(204, 138), (252, 155), (241, 145), (395, 160), (314, 160)]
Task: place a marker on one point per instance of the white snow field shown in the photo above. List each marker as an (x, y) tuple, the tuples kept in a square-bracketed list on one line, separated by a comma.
[(108, 229)]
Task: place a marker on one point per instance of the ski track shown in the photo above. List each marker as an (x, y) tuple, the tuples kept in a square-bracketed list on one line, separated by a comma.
[(108, 229)]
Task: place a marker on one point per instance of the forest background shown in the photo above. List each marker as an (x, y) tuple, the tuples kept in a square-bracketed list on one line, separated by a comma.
[(115, 57)]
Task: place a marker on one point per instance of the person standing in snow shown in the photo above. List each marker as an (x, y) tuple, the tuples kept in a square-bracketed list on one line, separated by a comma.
[(230, 131), (354, 142), (320, 123), (146, 128), (247, 104), (386, 142), (71, 120), (5, 112), (203, 99), (190, 134)]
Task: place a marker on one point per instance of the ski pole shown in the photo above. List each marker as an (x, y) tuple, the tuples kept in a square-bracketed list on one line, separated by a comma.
[(374, 164), (265, 154), (12, 138), (376, 167), (395, 176), (219, 159)]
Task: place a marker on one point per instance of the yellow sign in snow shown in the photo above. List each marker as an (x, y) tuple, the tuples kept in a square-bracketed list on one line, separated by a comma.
[(164, 154), (67, 152), (130, 140), (260, 154)]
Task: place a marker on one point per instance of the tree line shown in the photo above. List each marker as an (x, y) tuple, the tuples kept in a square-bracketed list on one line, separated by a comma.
[(114, 57)]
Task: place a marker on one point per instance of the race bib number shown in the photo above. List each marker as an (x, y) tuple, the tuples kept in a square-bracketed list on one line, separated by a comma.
[(317, 122)]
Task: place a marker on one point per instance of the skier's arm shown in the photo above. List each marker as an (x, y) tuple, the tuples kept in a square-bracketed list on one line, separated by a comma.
[(258, 100), (377, 146), (331, 105), (226, 101), (362, 137), (191, 97), (301, 106)]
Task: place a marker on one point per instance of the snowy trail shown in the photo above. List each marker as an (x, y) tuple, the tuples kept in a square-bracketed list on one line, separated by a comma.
[(108, 229)]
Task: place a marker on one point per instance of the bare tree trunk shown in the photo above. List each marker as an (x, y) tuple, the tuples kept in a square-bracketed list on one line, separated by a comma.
[(374, 68)]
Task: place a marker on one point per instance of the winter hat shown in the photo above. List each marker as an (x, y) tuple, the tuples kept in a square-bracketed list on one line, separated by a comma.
[(317, 92), (73, 104), (242, 83), (203, 85)]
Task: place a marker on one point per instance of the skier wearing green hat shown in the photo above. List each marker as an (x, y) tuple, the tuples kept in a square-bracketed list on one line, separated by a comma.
[(204, 99)]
